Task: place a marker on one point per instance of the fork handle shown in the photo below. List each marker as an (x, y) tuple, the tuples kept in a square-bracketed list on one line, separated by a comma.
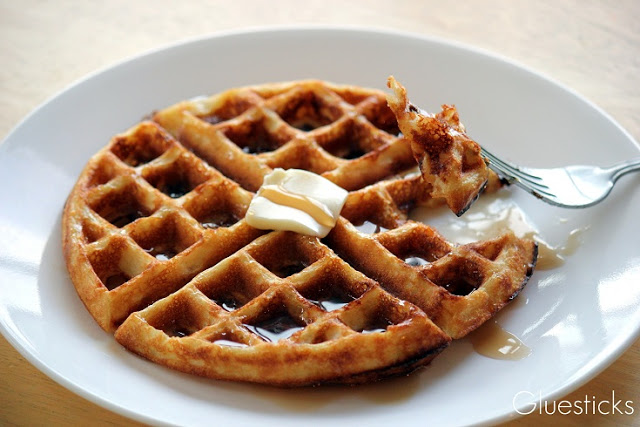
[(623, 168)]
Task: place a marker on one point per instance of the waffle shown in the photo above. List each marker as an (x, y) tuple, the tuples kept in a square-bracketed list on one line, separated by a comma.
[(449, 160), (159, 252)]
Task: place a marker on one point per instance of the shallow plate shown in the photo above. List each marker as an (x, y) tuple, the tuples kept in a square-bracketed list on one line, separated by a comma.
[(576, 319)]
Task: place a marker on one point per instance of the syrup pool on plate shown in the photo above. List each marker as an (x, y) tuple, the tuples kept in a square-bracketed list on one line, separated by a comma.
[(490, 216), (493, 341)]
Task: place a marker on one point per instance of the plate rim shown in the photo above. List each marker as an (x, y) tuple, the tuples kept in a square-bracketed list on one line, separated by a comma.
[(18, 341)]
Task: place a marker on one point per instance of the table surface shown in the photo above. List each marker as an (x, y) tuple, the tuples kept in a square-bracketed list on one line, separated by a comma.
[(591, 46)]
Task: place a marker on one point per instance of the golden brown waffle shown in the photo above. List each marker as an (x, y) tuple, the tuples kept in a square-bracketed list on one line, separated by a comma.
[(449, 160), (159, 252)]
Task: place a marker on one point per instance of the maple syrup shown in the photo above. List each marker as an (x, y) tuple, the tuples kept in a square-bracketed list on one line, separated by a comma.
[(256, 142), (228, 303), (175, 190), (161, 254), (227, 339), (290, 268), (218, 219), (376, 324), (276, 328), (296, 200), (256, 149), (491, 340), (177, 331), (329, 296), (115, 280), (125, 218), (354, 153), (550, 257), (332, 303), (281, 196), (489, 217)]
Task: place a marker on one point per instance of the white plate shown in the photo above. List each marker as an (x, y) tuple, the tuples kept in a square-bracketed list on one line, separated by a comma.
[(576, 319)]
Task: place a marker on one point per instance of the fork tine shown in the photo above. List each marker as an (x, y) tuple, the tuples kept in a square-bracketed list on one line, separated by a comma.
[(537, 190), (516, 175), (507, 168), (576, 186), (522, 175), (519, 172)]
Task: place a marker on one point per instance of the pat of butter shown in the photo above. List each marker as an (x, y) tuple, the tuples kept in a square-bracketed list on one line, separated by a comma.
[(296, 200)]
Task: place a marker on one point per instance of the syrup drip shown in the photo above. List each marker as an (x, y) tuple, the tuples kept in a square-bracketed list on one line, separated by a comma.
[(287, 269), (329, 296), (126, 218), (354, 153), (176, 190), (304, 126), (115, 280), (161, 254), (229, 304), (177, 331), (550, 257), (491, 340), (489, 217), (218, 219), (276, 328), (227, 339), (281, 196), (258, 142), (332, 303), (376, 325), (257, 149)]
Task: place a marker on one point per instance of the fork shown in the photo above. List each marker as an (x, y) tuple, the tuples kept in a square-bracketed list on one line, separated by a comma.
[(570, 187)]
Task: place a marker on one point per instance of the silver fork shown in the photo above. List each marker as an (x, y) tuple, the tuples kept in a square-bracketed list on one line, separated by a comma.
[(569, 187)]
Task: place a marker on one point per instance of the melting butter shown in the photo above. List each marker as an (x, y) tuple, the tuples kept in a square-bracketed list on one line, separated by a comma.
[(296, 200), (492, 215), (488, 217), (550, 257), (319, 212)]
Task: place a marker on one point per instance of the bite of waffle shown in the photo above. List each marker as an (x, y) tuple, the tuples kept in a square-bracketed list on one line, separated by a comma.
[(160, 253), (449, 160)]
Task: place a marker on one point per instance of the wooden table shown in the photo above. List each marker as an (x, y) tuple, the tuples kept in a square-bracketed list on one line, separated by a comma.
[(591, 46)]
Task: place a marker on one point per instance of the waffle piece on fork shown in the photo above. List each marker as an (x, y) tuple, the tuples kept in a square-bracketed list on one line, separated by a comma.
[(449, 160)]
